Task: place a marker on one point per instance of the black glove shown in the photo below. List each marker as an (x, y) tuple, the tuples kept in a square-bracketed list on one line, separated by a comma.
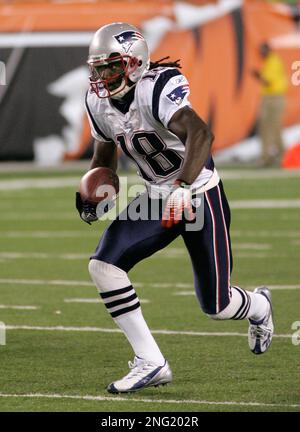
[(87, 211), (90, 212)]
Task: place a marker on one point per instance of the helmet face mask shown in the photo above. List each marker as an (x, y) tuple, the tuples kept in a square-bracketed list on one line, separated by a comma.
[(118, 57), (111, 74)]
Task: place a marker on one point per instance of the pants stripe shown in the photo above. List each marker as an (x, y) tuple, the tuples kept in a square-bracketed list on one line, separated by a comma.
[(226, 241), (215, 252)]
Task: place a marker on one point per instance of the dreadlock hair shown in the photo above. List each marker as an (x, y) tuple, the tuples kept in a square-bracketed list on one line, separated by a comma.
[(162, 63)]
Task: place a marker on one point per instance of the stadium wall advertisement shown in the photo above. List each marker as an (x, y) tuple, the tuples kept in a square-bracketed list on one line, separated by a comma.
[(43, 51)]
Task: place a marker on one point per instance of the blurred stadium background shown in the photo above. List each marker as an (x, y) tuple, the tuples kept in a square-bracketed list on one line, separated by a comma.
[(60, 343), (44, 47)]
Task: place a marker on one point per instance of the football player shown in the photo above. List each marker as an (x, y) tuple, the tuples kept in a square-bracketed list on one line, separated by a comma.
[(144, 107)]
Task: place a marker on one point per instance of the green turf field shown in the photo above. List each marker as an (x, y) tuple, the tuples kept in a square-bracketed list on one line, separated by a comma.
[(62, 350)]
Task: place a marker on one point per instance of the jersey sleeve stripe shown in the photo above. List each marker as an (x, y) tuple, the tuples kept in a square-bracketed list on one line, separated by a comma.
[(96, 127), (158, 88)]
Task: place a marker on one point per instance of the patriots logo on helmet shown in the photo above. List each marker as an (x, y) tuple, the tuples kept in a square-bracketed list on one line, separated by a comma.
[(127, 38), (177, 95)]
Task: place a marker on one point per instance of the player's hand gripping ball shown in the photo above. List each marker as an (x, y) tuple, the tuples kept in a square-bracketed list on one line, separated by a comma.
[(98, 190)]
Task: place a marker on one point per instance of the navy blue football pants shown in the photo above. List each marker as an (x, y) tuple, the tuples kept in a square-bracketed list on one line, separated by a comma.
[(126, 242)]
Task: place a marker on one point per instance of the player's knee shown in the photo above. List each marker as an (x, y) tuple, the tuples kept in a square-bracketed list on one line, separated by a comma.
[(107, 277)]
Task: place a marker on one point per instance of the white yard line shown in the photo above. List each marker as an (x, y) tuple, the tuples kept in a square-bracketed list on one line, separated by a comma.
[(82, 300), (265, 233), (107, 330), (241, 174), (272, 288), (164, 285), (86, 283), (171, 253), (39, 183), (166, 253), (46, 282), (51, 183), (184, 255), (257, 255), (65, 282), (265, 204), (252, 246), (48, 234), (75, 234), (60, 215), (32, 216), (18, 307), (25, 167), (5, 256), (248, 216), (284, 287), (237, 246), (184, 293), (145, 400), (42, 255)]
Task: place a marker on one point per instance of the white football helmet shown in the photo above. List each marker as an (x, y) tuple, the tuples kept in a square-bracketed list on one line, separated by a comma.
[(118, 57)]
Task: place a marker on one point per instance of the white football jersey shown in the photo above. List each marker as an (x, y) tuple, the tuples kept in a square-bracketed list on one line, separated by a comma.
[(143, 132)]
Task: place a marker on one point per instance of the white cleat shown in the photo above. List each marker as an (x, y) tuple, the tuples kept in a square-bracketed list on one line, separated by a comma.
[(143, 374), (260, 332)]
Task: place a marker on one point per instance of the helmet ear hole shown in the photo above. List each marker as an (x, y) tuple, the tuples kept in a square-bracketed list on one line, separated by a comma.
[(140, 63)]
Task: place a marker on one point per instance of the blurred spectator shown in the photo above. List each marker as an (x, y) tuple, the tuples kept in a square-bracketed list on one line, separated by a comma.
[(274, 84)]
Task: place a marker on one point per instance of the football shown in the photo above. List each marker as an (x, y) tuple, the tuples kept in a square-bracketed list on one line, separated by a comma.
[(98, 184)]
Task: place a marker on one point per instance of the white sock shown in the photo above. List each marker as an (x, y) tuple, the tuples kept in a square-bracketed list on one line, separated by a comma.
[(139, 336), (123, 304), (259, 306), (244, 304)]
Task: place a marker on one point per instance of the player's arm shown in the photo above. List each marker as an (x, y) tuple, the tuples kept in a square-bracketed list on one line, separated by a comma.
[(105, 155), (197, 138)]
